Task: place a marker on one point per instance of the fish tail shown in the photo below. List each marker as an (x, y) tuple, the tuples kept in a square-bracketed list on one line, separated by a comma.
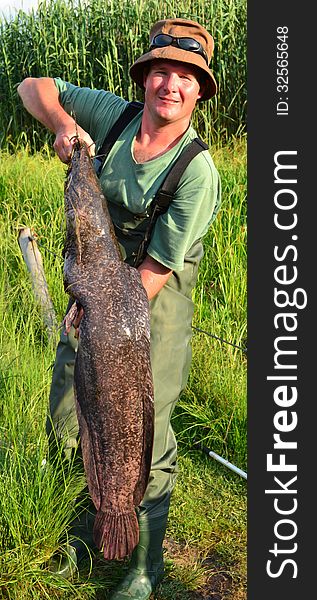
[(116, 534)]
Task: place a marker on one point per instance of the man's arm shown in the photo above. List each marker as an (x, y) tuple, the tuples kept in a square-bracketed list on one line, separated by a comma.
[(40, 97), (154, 276)]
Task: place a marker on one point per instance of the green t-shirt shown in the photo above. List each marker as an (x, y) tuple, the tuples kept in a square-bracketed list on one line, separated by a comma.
[(134, 185)]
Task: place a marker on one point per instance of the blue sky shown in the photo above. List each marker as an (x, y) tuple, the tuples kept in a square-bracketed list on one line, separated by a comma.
[(10, 6)]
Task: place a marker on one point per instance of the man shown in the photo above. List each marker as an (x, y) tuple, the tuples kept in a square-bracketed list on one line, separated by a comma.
[(174, 75)]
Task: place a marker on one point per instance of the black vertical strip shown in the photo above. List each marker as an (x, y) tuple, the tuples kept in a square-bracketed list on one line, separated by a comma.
[(282, 300)]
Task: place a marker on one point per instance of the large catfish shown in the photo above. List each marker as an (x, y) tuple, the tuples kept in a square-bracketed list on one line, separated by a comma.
[(113, 378)]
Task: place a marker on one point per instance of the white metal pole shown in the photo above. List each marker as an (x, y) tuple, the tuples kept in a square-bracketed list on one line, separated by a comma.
[(222, 460), (227, 463)]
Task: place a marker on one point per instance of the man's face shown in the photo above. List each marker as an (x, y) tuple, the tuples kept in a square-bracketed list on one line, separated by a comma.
[(171, 90)]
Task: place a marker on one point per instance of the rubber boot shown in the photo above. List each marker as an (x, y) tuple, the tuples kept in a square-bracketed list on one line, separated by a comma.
[(66, 563), (147, 566)]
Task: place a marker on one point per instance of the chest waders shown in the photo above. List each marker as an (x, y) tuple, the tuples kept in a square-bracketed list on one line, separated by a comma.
[(171, 318)]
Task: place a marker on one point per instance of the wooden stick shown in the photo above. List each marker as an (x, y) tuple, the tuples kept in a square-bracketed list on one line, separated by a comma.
[(33, 260)]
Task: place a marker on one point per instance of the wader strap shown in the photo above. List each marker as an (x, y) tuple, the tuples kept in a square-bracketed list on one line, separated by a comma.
[(130, 111), (171, 181), (165, 194)]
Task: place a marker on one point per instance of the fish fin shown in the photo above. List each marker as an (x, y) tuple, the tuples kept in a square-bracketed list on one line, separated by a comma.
[(116, 534), (148, 433), (87, 442)]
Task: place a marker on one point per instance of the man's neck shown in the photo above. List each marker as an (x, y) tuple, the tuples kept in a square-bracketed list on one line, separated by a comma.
[(154, 139)]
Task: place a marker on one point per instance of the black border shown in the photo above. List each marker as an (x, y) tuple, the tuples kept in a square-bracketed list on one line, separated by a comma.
[(267, 134)]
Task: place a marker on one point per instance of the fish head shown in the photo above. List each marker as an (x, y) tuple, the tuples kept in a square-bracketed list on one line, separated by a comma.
[(84, 200), (89, 230)]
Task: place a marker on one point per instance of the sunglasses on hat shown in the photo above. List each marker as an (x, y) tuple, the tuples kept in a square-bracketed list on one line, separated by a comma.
[(185, 43)]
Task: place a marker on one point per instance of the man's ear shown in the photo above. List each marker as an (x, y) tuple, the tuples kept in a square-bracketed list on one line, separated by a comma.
[(146, 71), (202, 88)]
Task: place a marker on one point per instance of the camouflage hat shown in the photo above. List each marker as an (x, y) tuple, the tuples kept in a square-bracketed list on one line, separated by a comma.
[(182, 40)]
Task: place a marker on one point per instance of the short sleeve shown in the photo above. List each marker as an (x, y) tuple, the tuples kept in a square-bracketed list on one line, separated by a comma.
[(190, 214), (94, 110)]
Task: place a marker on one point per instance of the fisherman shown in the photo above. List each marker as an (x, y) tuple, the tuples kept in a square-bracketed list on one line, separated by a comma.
[(174, 75)]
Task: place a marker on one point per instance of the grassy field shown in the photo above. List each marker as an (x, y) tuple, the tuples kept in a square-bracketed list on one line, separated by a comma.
[(205, 546), (206, 539)]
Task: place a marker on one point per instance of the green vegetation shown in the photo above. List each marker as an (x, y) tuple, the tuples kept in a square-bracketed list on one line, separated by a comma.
[(205, 543), (95, 42)]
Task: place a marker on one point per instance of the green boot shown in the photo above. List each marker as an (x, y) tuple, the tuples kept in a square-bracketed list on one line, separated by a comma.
[(66, 564), (147, 566), (81, 547)]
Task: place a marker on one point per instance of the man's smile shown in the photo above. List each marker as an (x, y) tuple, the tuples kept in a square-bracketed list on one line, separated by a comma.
[(168, 100)]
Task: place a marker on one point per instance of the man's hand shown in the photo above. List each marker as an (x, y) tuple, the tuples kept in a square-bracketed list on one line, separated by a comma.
[(65, 139), (73, 317)]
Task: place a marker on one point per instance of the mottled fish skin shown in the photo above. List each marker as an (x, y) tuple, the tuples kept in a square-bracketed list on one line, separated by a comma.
[(113, 378)]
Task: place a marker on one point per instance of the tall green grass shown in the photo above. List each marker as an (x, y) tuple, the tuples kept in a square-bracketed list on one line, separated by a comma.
[(94, 43)]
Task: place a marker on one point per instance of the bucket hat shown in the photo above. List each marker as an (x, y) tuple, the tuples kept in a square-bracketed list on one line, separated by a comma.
[(183, 40)]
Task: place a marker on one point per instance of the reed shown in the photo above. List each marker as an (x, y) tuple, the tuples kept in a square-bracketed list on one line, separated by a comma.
[(93, 43)]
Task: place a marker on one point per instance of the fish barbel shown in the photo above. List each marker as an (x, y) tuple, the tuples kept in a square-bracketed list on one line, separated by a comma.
[(113, 378)]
